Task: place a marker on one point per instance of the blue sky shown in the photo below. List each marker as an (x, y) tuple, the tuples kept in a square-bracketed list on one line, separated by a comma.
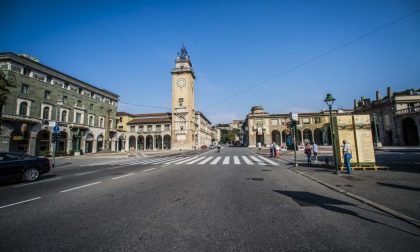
[(130, 47)]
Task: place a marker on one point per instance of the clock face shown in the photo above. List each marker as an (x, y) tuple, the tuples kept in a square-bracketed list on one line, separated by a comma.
[(181, 83)]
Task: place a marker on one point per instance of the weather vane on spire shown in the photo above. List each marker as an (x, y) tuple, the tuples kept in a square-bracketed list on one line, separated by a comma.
[(183, 54)]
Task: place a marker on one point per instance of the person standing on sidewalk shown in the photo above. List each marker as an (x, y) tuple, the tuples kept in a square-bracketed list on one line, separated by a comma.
[(347, 155), (308, 152), (277, 150), (315, 150), (271, 149)]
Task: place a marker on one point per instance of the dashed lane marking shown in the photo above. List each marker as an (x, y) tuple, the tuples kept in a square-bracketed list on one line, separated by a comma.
[(123, 176), (75, 188), (37, 182), (20, 202)]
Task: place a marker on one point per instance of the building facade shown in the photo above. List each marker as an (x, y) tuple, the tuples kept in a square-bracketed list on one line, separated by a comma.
[(395, 117), (182, 128), (40, 97), (260, 126)]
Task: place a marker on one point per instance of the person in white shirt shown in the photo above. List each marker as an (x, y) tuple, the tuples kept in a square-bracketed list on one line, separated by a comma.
[(347, 155), (315, 150), (259, 147)]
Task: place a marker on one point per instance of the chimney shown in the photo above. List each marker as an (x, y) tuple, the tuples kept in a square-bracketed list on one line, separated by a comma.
[(389, 92), (362, 100), (355, 103), (378, 96)]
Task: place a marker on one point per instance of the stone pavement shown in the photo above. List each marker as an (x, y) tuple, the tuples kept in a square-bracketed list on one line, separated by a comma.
[(395, 189)]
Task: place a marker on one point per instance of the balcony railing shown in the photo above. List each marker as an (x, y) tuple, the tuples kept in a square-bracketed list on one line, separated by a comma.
[(408, 111)]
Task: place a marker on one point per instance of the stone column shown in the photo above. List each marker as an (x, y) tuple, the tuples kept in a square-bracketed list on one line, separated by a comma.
[(154, 142), (94, 146), (313, 136)]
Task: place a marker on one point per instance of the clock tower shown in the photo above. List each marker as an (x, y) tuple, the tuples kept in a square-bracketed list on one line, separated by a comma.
[(183, 109)]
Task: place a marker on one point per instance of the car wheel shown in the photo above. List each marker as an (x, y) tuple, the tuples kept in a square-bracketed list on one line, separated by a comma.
[(30, 174)]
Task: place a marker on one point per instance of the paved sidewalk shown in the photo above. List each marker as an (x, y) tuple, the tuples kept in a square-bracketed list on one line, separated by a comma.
[(394, 189)]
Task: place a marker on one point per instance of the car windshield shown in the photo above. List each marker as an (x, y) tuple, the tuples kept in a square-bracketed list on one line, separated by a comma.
[(26, 156)]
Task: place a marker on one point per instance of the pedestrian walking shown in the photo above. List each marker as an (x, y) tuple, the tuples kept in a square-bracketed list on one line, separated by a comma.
[(277, 149), (272, 149), (315, 150), (259, 147), (308, 152), (347, 151)]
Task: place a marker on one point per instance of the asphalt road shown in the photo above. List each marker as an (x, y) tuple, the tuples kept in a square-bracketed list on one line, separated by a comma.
[(190, 203)]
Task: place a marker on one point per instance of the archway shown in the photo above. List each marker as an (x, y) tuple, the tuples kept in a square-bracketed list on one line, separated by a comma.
[(410, 132), (140, 143), (62, 143), (307, 135), (158, 142), (260, 139), (275, 137), (284, 137), (318, 136), (19, 141), (167, 142), (43, 143), (99, 143), (132, 143), (149, 143), (120, 143), (89, 143), (298, 137)]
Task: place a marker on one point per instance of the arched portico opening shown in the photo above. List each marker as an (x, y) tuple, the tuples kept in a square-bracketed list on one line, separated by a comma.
[(318, 136), (158, 142), (132, 143), (43, 143), (120, 143), (275, 137), (140, 143), (19, 141), (260, 139), (62, 143), (307, 135), (167, 142), (298, 137), (149, 143), (410, 132)]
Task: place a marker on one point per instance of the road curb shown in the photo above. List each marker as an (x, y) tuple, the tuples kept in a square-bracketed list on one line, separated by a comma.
[(396, 214)]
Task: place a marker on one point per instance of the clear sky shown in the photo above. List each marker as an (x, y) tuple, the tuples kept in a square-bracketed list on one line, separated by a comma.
[(129, 48)]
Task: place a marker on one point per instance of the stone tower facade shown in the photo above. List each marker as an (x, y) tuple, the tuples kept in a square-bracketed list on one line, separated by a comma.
[(183, 109)]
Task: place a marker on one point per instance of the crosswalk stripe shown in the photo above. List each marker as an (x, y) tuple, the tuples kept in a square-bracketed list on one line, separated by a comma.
[(215, 160), (247, 161), (205, 160), (236, 160), (269, 161), (186, 160), (176, 160), (195, 161), (258, 161), (226, 160)]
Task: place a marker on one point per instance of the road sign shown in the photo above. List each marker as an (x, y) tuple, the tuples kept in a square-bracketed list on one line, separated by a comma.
[(289, 140), (51, 123), (56, 129)]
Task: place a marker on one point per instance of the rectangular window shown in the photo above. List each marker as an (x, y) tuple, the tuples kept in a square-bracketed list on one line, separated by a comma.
[(166, 127), (80, 91), (306, 120), (79, 103), (16, 69), (39, 76), (158, 127), (317, 119), (78, 118), (274, 122), (91, 106), (132, 128), (64, 99), (24, 89), (259, 123), (47, 95), (181, 102), (141, 129), (149, 128)]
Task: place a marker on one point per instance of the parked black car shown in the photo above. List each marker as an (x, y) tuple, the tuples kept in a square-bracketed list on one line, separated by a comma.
[(22, 166)]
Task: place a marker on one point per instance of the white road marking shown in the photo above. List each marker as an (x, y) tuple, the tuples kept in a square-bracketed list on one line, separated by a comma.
[(205, 160), (236, 160), (195, 161), (215, 161), (247, 161), (152, 169), (186, 160), (258, 161), (176, 160), (123, 176), (269, 161), (226, 160), (37, 182), (83, 173), (20, 202), (75, 188)]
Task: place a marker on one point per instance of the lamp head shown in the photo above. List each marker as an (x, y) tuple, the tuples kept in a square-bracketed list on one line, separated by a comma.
[(329, 100)]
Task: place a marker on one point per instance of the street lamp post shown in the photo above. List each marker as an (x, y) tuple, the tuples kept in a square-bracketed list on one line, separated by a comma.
[(57, 113), (375, 126), (329, 100)]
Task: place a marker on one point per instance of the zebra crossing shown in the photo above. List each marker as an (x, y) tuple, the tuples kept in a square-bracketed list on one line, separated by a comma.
[(198, 160)]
